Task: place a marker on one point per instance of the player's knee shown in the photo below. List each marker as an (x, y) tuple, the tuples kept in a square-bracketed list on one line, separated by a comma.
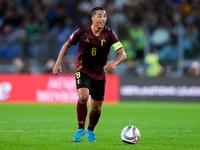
[(83, 99), (96, 109)]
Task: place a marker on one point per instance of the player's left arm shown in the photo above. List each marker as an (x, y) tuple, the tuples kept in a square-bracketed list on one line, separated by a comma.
[(120, 58)]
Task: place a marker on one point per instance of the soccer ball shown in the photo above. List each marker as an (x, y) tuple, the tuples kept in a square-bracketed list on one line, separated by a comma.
[(130, 134)]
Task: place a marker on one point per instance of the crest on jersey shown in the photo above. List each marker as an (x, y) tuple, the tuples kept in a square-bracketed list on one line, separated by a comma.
[(103, 42), (79, 81)]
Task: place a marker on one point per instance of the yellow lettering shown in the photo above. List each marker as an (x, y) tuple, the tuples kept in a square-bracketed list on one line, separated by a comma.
[(78, 75), (94, 51)]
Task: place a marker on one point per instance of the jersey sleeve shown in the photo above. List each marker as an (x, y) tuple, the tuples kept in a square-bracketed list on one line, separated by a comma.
[(116, 44), (74, 38)]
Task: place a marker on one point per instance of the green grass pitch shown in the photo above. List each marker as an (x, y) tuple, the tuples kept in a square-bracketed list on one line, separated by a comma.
[(163, 126)]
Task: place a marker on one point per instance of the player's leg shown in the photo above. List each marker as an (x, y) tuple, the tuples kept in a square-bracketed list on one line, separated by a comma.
[(93, 119), (81, 113), (82, 107), (82, 83), (97, 93), (94, 114)]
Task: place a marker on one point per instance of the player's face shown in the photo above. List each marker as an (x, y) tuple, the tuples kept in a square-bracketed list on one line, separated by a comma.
[(100, 18)]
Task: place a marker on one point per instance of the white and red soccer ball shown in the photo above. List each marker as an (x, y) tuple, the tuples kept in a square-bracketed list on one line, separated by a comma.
[(130, 134)]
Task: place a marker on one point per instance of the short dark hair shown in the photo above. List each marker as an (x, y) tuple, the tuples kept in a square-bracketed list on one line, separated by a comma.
[(93, 12)]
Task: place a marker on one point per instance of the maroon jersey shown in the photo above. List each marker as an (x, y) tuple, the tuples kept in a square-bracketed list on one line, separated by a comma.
[(93, 50)]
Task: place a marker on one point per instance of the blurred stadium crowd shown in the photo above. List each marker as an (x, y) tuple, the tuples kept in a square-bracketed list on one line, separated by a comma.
[(153, 33)]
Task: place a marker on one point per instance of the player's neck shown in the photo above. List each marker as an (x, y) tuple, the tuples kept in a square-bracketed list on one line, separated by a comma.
[(96, 31)]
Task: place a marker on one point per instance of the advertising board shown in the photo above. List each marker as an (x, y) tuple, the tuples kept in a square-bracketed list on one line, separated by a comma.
[(25, 88), (160, 89)]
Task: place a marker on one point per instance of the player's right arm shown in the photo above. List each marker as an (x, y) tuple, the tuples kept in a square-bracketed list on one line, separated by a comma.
[(58, 68)]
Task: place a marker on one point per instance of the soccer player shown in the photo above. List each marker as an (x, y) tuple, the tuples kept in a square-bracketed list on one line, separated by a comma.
[(94, 45)]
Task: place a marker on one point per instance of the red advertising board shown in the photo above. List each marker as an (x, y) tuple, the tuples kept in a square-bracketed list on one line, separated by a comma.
[(26, 88)]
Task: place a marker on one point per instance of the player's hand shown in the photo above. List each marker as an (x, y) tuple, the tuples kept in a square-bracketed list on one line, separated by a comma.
[(109, 67), (57, 69)]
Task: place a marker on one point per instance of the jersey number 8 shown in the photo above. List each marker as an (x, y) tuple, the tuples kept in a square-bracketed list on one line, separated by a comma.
[(78, 75), (94, 51)]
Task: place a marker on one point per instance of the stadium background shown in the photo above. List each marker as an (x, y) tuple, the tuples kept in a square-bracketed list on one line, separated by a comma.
[(32, 33)]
